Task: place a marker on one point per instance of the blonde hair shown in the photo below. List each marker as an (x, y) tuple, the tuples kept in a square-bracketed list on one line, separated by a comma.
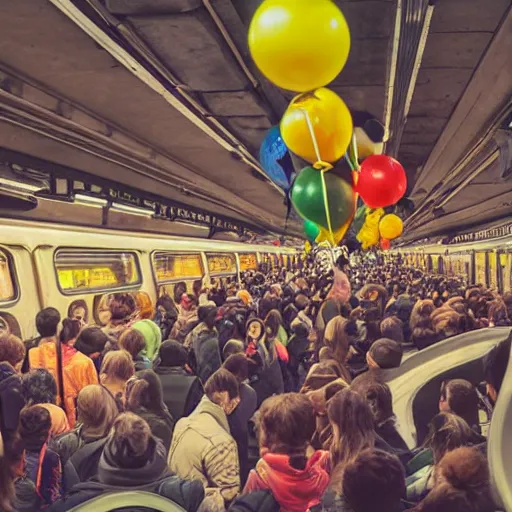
[(336, 338), (131, 433), (96, 411), (118, 364)]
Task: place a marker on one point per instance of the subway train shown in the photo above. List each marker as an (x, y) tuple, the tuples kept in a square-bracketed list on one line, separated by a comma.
[(71, 268)]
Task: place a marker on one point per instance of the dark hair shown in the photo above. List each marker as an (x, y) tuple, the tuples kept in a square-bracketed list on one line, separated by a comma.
[(145, 391), (392, 328), (375, 480), (131, 436), (91, 340), (232, 347), (133, 341), (173, 353), (496, 363), (354, 432), (222, 380), (47, 321), (386, 353), (462, 399), (238, 365), (447, 431), (466, 485), (34, 427), (273, 321), (76, 304), (287, 424), (207, 314), (380, 400), (70, 330), (39, 387), (122, 307), (12, 349)]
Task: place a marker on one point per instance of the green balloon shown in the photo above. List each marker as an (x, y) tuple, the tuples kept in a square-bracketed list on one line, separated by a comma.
[(308, 198), (311, 230)]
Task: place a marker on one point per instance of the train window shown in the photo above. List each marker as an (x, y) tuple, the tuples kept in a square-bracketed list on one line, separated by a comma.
[(170, 266), (219, 264), (480, 268), (80, 270), (248, 262), (493, 270), (7, 282), (506, 271)]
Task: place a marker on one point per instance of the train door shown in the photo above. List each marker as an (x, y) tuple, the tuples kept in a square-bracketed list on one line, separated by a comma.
[(177, 273), (492, 263), (78, 281), (480, 268), (505, 269), (19, 297)]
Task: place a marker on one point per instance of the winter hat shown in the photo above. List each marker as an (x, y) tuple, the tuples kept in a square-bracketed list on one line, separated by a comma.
[(152, 335), (245, 296)]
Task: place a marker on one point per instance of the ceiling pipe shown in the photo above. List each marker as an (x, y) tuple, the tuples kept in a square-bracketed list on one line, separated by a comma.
[(224, 138)]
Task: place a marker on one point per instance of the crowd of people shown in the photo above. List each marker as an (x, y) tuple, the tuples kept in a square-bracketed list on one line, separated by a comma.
[(263, 395)]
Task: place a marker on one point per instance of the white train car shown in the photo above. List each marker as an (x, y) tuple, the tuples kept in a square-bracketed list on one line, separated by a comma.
[(44, 264)]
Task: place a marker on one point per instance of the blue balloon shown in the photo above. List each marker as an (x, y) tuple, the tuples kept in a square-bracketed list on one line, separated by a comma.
[(276, 159)]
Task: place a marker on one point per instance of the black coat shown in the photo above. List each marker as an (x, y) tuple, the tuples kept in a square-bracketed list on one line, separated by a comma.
[(161, 425), (11, 401), (117, 476), (182, 392)]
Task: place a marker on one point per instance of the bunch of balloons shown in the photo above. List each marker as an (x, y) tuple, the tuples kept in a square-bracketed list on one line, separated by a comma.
[(302, 46)]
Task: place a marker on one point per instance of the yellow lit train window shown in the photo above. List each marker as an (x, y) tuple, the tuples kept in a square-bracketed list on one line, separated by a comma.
[(248, 262), (80, 270), (171, 266), (435, 263), (7, 288), (480, 264), (506, 269), (221, 263)]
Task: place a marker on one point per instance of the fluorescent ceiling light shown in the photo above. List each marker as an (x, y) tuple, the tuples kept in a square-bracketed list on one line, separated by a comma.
[(90, 200), (133, 210), (19, 185)]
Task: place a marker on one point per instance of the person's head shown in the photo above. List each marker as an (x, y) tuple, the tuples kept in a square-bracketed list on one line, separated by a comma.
[(129, 441), (39, 387), (96, 411), (34, 427), (207, 314), (122, 308), (173, 354), (447, 322), (301, 302), (375, 480), (385, 354), (498, 314), (179, 290), (144, 304), (273, 321), (222, 388), (78, 311), (232, 347), (47, 322), (447, 431), (133, 341), (91, 340), (286, 425), (495, 366), (144, 391), (117, 367), (353, 430), (12, 351), (379, 398), (461, 484), (460, 397), (392, 328), (238, 365), (336, 338), (70, 330)]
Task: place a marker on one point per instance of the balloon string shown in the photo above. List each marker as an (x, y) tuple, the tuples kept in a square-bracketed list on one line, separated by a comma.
[(313, 136), (349, 161), (356, 155), (326, 203)]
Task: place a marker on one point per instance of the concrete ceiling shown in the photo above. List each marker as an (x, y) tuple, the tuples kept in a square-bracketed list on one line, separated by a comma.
[(162, 95)]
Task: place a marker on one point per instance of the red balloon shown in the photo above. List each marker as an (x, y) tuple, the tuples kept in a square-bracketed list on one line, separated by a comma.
[(277, 243), (382, 181), (385, 244)]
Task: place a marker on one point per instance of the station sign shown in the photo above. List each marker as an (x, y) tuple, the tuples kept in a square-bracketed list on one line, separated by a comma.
[(482, 235)]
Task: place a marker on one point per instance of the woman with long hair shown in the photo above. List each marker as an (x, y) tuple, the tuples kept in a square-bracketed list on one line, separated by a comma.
[(336, 338), (274, 322), (144, 396)]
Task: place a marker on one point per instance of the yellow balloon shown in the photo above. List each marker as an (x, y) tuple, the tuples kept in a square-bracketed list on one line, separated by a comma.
[(330, 120), (391, 226), (299, 45), (368, 235)]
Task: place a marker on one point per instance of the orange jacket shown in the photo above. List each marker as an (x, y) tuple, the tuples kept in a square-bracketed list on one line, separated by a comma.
[(78, 371)]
